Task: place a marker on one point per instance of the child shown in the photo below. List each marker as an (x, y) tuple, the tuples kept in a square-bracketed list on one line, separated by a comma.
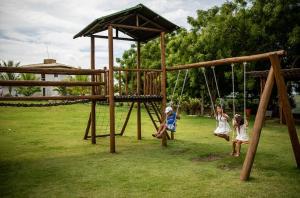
[(170, 124), (223, 127), (241, 136)]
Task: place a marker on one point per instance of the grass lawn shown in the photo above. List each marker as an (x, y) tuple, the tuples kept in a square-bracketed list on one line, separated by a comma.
[(42, 154)]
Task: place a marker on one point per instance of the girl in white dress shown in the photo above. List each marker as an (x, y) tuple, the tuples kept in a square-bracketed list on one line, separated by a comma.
[(239, 125), (223, 127)]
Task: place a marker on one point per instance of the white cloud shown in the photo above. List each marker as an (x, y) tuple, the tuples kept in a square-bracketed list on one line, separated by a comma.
[(28, 27)]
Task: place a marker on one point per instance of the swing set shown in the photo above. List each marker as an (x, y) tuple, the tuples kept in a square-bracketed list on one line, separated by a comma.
[(233, 93), (140, 24)]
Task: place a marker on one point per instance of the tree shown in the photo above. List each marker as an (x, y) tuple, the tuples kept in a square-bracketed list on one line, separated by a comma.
[(79, 90), (236, 28), (9, 76), (28, 91), (62, 90)]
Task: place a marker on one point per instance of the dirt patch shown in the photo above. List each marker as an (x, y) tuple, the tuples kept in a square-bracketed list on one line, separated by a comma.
[(207, 158), (228, 166)]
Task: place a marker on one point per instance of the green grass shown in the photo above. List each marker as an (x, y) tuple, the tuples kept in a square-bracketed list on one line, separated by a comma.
[(42, 154)]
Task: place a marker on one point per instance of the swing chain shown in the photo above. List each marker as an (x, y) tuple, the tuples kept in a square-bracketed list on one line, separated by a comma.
[(209, 93)]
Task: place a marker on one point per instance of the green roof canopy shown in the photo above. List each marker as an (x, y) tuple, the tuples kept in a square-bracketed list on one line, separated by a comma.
[(150, 24)]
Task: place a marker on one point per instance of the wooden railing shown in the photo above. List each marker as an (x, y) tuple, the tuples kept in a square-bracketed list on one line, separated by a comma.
[(125, 81), (97, 85)]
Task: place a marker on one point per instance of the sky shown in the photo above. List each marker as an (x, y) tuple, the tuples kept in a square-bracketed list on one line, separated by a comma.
[(31, 30)]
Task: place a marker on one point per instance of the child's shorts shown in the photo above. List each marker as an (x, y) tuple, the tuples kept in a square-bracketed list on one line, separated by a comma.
[(171, 127)]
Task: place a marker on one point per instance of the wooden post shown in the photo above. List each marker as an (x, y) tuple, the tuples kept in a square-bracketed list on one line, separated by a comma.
[(126, 83), (87, 129), (258, 123), (148, 83), (105, 82), (120, 83), (287, 110), (127, 119), (93, 106), (101, 87), (111, 90), (156, 84), (163, 82), (138, 87), (144, 83)]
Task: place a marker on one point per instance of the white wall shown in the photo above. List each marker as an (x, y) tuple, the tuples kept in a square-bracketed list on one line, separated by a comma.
[(48, 90)]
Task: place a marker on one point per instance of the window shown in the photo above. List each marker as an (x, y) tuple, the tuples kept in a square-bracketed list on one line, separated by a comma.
[(43, 77)]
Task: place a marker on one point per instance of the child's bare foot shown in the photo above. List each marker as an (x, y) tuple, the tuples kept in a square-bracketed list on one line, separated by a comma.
[(236, 155), (232, 153)]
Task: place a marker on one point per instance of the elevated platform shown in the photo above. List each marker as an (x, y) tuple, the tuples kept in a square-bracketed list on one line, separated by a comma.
[(140, 98)]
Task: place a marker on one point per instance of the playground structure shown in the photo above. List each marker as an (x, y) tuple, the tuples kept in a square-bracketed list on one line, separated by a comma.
[(142, 25)]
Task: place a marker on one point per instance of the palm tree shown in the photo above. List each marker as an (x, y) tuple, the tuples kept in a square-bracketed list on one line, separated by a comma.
[(28, 91), (79, 90), (9, 76), (62, 90)]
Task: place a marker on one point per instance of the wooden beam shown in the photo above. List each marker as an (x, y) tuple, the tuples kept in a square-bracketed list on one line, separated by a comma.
[(50, 71), (87, 129), (287, 110), (91, 30), (111, 90), (46, 83), (116, 38), (163, 82), (226, 61), (138, 90), (38, 98), (127, 119), (156, 111), (258, 123), (93, 105), (137, 28), (150, 115), (152, 22), (140, 69)]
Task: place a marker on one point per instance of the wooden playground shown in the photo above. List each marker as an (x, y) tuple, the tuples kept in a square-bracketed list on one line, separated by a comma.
[(149, 90)]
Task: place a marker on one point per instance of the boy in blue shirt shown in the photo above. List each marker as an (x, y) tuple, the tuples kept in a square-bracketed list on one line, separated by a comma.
[(170, 123)]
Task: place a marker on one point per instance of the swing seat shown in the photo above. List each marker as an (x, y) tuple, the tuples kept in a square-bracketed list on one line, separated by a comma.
[(171, 127), (243, 142)]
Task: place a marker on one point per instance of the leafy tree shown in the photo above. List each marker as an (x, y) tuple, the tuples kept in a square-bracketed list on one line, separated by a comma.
[(28, 91), (236, 28)]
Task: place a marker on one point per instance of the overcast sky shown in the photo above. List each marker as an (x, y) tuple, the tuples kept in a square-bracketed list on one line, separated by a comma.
[(29, 27)]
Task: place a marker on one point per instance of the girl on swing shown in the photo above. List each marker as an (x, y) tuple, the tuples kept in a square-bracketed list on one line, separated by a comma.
[(239, 124), (170, 123), (223, 127)]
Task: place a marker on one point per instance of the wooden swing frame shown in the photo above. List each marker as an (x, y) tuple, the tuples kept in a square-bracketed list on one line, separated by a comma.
[(275, 75)]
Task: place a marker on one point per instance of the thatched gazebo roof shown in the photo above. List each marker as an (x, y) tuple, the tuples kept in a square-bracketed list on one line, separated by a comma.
[(147, 19)]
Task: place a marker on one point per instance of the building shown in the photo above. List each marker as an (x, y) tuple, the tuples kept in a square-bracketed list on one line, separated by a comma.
[(45, 91)]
